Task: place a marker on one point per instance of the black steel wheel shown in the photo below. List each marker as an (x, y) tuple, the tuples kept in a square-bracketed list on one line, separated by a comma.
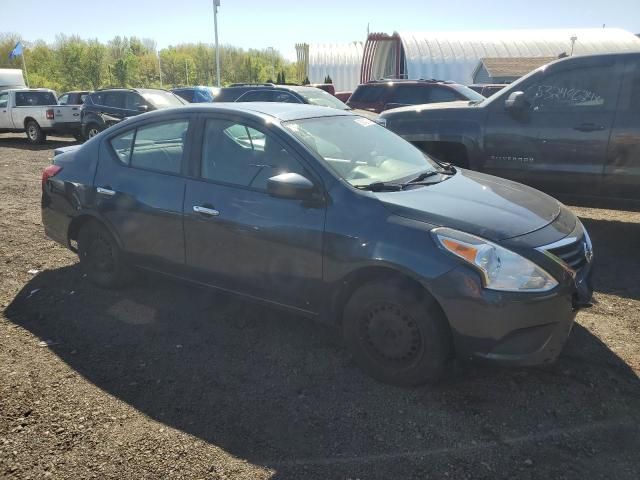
[(397, 333), (100, 256)]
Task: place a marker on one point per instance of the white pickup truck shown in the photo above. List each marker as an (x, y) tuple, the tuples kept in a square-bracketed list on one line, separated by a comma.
[(36, 112)]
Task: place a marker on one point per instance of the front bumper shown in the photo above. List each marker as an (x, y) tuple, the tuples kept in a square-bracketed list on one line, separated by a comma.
[(509, 327)]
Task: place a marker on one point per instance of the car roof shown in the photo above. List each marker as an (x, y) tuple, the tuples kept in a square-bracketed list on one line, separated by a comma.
[(264, 110)]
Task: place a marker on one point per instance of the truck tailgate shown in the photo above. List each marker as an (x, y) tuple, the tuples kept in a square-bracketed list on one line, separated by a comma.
[(66, 114)]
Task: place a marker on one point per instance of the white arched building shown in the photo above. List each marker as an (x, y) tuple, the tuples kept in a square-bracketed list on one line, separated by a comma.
[(451, 55)]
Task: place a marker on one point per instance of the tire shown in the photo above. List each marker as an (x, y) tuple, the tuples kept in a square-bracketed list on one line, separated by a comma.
[(91, 130), (397, 333), (35, 135), (100, 257)]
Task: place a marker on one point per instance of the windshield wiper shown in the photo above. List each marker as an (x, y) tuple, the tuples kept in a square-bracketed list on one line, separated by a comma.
[(381, 187)]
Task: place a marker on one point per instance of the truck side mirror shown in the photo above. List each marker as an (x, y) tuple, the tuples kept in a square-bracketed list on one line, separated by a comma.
[(515, 102)]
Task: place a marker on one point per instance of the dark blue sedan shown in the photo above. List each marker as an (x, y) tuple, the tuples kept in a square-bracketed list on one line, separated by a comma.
[(331, 215)]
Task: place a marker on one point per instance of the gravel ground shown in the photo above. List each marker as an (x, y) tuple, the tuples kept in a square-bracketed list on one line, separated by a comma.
[(163, 380)]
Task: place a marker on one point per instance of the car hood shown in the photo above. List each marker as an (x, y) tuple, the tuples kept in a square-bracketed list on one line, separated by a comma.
[(430, 106), (491, 207)]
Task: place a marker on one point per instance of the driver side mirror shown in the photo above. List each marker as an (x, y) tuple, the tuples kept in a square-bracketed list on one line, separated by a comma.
[(290, 185), (515, 102), (143, 108)]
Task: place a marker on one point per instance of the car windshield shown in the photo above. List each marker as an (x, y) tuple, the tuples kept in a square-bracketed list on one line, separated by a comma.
[(359, 150), (469, 93), (315, 96), (161, 99)]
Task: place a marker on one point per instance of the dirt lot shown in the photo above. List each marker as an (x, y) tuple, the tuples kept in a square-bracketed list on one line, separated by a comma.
[(164, 380)]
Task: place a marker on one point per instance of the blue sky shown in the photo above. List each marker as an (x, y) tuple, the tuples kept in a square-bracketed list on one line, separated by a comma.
[(282, 23)]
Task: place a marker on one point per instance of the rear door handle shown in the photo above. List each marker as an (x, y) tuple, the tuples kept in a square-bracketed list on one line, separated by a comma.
[(211, 212), (589, 127), (105, 191)]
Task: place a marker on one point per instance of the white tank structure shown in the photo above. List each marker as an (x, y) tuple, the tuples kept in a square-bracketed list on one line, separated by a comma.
[(342, 62), (456, 55)]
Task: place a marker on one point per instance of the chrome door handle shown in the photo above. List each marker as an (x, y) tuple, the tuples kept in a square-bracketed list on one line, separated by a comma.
[(206, 211), (105, 191)]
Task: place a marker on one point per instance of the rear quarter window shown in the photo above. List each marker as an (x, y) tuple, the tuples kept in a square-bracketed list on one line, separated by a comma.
[(32, 99)]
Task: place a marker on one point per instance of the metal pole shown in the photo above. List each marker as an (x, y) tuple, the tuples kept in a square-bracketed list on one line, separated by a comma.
[(159, 69), (24, 65), (216, 4)]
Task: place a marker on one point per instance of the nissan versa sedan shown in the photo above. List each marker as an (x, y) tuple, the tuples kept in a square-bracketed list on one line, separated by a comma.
[(331, 215)]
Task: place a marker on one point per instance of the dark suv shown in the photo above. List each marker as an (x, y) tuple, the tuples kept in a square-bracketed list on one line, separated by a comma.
[(104, 108), (380, 95), (269, 92)]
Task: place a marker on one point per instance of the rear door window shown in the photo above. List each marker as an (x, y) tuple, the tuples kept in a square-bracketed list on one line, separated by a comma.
[(257, 96), (368, 93), (410, 94), (113, 99), (442, 94), (159, 146)]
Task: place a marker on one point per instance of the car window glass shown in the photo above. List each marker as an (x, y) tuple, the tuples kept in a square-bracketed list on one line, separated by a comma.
[(160, 146), (186, 94), (368, 93), (97, 98), (32, 99), (4, 99), (83, 97), (284, 97), (133, 101), (442, 94), (113, 99), (257, 96), (574, 89), (410, 94), (63, 99), (630, 95), (121, 145), (240, 155)]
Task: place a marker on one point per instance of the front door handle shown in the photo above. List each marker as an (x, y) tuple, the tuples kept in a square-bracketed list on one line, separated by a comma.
[(211, 212), (105, 191), (589, 127)]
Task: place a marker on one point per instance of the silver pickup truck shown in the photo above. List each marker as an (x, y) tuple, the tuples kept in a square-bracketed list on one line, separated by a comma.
[(36, 112)]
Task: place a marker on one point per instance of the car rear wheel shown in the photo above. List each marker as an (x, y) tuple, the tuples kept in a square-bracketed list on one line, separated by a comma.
[(92, 130), (35, 135), (397, 333), (100, 257)]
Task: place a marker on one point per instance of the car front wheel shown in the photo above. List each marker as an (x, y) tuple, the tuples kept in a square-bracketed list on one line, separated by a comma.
[(100, 257), (397, 333)]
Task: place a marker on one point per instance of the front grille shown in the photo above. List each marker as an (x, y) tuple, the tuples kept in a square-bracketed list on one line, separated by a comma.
[(573, 254)]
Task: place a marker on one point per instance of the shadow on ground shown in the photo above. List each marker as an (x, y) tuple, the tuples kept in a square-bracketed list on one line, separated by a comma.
[(21, 143), (615, 246), (278, 390)]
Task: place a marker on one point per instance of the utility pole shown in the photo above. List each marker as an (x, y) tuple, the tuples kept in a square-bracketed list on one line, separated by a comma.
[(159, 69), (216, 4), (573, 42)]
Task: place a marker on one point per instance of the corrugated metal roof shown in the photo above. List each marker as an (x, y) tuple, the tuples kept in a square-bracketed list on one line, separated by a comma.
[(455, 55), (513, 67), (340, 61)]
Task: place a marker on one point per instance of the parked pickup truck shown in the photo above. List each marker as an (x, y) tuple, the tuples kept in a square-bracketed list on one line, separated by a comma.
[(569, 127), (36, 112)]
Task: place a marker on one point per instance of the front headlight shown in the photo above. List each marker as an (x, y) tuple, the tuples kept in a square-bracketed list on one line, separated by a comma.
[(501, 269)]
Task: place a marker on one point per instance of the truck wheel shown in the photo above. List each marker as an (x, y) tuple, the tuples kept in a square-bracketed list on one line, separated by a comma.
[(35, 135), (92, 130), (396, 333), (100, 257)]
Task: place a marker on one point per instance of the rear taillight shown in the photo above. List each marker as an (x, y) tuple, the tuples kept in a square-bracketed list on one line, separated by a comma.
[(50, 171), (50, 114)]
